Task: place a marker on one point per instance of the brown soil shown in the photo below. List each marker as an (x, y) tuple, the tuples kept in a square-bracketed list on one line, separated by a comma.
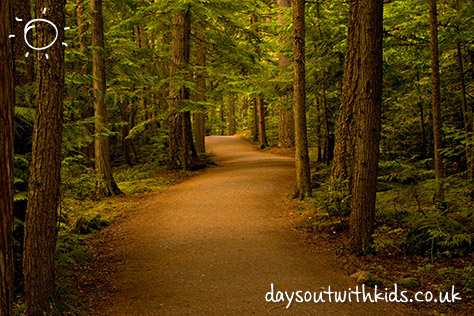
[(213, 244)]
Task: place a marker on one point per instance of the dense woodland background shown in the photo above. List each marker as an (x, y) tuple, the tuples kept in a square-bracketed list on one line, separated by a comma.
[(142, 82)]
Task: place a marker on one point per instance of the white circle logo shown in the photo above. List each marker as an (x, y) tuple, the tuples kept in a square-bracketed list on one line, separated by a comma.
[(28, 27)]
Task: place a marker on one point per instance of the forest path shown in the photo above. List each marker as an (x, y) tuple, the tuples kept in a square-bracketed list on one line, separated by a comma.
[(213, 244)]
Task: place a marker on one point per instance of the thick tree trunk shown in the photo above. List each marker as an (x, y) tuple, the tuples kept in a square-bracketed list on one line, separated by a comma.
[(175, 130), (7, 102), (181, 152), (44, 178), (286, 125), (106, 185), (341, 177), (262, 134), (368, 96), (436, 106), (200, 117), (303, 173), (190, 153), (231, 114)]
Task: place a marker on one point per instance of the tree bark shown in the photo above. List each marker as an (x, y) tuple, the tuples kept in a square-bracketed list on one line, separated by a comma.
[(435, 100), (44, 178), (425, 149), (81, 26), (182, 152), (255, 119), (286, 126), (106, 185), (318, 129), (165, 68), (7, 102), (465, 114), (262, 134), (303, 173), (222, 119), (368, 97), (126, 143), (231, 114), (327, 142), (341, 177), (200, 117), (82, 69)]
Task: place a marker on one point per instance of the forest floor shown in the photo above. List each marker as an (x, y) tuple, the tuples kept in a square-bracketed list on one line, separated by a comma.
[(213, 245)]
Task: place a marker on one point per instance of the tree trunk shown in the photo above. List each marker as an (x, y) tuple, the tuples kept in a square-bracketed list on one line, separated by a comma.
[(222, 118), (180, 130), (200, 117), (262, 134), (368, 97), (82, 69), (175, 123), (436, 106), (7, 102), (165, 68), (143, 38), (191, 153), (44, 178), (126, 143), (255, 119), (286, 126), (327, 143), (341, 177), (106, 185), (303, 173), (231, 114), (465, 114), (318, 129), (81, 26), (425, 148)]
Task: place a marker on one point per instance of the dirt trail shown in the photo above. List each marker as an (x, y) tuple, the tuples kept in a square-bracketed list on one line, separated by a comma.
[(213, 244)]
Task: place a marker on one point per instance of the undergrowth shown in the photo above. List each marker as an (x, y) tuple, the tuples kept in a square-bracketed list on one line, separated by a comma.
[(435, 240), (81, 216)]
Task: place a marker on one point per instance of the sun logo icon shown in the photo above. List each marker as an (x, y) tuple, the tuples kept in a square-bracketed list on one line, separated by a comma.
[(30, 25)]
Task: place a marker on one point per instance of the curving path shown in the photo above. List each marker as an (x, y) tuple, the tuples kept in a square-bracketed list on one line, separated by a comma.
[(212, 245)]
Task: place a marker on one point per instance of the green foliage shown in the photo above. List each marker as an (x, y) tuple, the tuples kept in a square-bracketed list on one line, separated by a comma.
[(141, 179), (444, 230), (395, 171), (85, 225), (78, 180), (462, 277), (388, 239), (331, 208), (438, 235)]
